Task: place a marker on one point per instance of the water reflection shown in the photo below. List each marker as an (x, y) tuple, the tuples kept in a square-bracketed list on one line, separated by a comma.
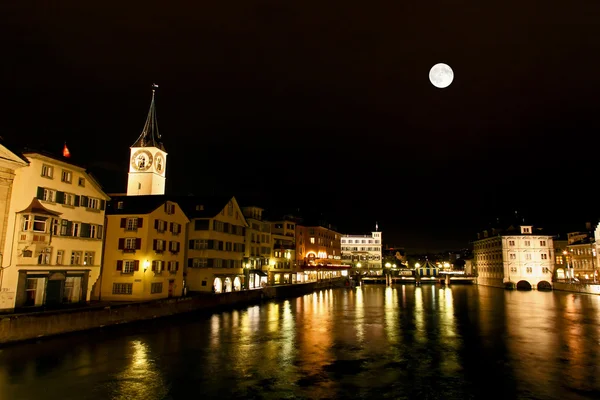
[(402, 341)]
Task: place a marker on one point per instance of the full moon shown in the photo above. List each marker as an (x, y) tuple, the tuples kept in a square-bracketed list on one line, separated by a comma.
[(441, 75)]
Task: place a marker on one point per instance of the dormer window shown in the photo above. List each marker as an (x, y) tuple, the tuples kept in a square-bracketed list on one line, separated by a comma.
[(526, 229), (119, 205), (199, 207)]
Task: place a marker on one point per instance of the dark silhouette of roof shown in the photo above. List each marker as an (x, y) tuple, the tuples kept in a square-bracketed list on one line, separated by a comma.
[(150, 136)]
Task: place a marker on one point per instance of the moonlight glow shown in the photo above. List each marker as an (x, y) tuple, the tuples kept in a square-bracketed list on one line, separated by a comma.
[(441, 75)]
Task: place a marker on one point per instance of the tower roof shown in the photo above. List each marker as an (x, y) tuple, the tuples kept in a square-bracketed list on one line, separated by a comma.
[(150, 136)]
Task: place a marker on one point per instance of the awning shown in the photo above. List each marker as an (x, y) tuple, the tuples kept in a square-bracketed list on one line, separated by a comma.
[(258, 272)]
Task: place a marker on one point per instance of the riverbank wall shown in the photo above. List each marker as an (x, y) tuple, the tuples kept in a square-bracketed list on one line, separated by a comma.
[(22, 327), (577, 287)]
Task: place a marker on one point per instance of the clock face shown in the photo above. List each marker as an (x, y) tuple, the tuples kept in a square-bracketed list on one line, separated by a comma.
[(159, 163), (141, 160)]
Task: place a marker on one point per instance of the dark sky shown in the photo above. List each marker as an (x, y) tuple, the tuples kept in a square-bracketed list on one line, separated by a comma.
[(325, 105)]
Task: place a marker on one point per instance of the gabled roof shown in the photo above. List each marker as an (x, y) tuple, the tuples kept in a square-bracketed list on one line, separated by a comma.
[(203, 206), (35, 207), (11, 156), (136, 204), (150, 136)]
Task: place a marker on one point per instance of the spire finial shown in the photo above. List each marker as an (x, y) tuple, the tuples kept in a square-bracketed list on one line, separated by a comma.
[(376, 227)]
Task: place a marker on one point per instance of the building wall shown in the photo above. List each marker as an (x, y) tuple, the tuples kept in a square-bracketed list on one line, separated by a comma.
[(501, 260), (318, 245), (37, 254), (215, 251), (147, 181), (362, 249), (158, 258)]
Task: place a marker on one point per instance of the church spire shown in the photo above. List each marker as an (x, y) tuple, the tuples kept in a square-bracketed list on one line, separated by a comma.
[(150, 136)]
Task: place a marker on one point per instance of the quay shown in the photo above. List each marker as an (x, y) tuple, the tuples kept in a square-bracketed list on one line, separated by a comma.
[(28, 326)]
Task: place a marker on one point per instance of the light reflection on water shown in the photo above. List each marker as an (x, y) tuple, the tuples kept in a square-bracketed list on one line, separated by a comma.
[(367, 342)]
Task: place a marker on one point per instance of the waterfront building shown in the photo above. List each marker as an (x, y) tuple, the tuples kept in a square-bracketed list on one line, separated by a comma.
[(283, 267), (520, 256), (561, 260), (363, 253), (144, 252), (581, 256), (258, 247), (319, 253), (148, 159), (53, 233), (216, 245)]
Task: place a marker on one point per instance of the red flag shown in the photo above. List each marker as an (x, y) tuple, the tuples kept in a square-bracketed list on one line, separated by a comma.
[(66, 152)]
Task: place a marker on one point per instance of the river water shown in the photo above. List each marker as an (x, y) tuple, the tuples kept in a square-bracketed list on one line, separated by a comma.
[(400, 342)]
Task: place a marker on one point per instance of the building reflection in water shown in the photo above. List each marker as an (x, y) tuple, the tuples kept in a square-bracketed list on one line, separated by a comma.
[(391, 315), (142, 378), (451, 343), (420, 334), (360, 315)]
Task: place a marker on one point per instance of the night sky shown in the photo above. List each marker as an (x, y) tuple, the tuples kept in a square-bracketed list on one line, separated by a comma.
[(325, 105)]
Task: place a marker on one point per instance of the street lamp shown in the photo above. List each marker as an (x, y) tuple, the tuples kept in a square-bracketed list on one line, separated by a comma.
[(388, 265), (566, 254)]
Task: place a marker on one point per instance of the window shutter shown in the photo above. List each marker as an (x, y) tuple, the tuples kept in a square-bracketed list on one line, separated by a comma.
[(211, 244), (121, 244), (154, 244), (190, 262), (171, 227), (154, 266), (84, 201), (209, 262), (140, 222), (136, 265), (102, 205), (60, 197), (191, 244), (176, 265), (156, 224), (120, 265), (85, 230), (138, 243), (178, 246), (123, 222), (40, 193), (69, 228), (76, 201)]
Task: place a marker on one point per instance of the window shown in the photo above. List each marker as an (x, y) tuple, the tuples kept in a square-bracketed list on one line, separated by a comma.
[(130, 244), (132, 224), (544, 256), (511, 242), (173, 266), (47, 171), (59, 257), (542, 243), (529, 270), (39, 224), (93, 203), (169, 208), (157, 266), (156, 287), (82, 182), (44, 257), (93, 231), (527, 243), (159, 245), (66, 176), (513, 269), (76, 258), (230, 208), (198, 262), (64, 227), (175, 228), (528, 256), (513, 256), (69, 199), (128, 266), (75, 229), (545, 270), (88, 258), (122, 288), (174, 247), (120, 205), (160, 225), (49, 195), (26, 222), (312, 240)]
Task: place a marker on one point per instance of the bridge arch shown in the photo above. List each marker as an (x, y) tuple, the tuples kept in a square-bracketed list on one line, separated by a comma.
[(523, 285), (544, 285)]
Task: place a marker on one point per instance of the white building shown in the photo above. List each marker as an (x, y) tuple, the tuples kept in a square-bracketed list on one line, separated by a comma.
[(53, 246), (363, 252), (520, 257)]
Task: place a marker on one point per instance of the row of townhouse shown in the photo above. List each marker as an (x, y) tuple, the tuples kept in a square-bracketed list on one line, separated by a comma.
[(64, 240)]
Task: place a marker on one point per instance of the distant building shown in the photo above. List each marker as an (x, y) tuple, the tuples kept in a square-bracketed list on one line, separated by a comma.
[(519, 256), (319, 253), (258, 246), (53, 233), (363, 253), (283, 268), (144, 252)]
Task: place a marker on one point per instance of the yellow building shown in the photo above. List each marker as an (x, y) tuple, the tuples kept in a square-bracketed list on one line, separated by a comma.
[(283, 268), (258, 247), (318, 253), (144, 251), (216, 244), (54, 232)]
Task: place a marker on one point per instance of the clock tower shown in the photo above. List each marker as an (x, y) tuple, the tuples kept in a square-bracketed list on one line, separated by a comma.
[(148, 159)]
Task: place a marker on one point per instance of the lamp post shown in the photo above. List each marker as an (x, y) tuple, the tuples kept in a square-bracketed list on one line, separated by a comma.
[(566, 254)]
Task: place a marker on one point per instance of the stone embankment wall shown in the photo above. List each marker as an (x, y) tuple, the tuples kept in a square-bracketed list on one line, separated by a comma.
[(577, 287), (20, 327)]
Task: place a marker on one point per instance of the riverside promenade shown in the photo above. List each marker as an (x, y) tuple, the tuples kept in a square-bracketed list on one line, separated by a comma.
[(28, 326)]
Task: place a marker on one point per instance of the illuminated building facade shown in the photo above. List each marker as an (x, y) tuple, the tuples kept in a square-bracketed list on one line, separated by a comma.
[(144, 252), (216, 245), (53, 234), (283, 268), (518, 257), (258, 247), (363, 253), (319, 253)]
